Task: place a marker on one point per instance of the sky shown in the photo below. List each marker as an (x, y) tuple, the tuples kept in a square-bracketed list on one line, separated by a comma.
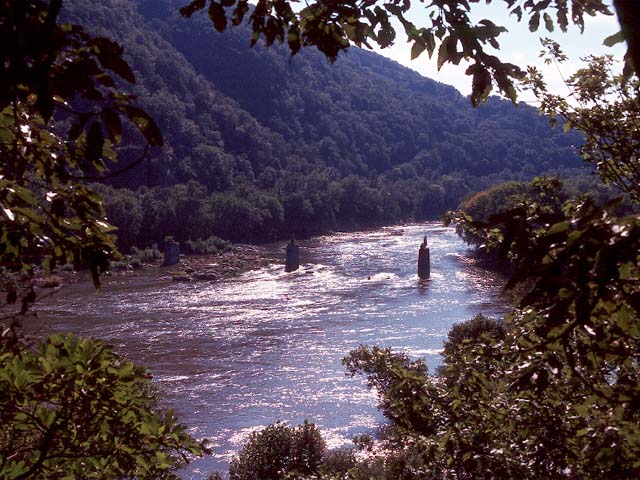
[(518, 46)]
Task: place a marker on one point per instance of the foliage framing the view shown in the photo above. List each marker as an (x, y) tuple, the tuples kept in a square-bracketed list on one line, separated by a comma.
[(555, 398), (602, 105), (334, 25), (69, 407), (61, 112), (565, 376)]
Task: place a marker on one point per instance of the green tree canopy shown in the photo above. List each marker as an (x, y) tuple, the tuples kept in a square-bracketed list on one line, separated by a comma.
[(279, 451)]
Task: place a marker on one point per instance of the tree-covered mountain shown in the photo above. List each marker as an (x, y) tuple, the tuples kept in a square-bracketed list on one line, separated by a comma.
[(259, 145), (364, 108)]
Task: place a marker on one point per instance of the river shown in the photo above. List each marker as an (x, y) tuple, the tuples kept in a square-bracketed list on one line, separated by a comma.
[(240, 354)]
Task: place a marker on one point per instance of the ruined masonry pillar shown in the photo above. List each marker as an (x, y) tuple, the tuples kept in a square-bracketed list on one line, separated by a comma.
[(293, 257), (171, 253), (424, 261)]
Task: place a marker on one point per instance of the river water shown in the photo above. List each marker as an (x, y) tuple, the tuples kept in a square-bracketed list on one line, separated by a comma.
[(237, 355)]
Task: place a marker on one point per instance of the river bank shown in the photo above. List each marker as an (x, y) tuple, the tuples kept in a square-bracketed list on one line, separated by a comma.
[(191, 268), (242, 259)]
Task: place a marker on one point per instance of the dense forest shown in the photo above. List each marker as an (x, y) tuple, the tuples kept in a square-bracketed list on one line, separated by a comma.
[(259, 146)]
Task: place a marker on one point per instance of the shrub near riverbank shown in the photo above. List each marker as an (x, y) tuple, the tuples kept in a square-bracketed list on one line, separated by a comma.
[(279, 451)]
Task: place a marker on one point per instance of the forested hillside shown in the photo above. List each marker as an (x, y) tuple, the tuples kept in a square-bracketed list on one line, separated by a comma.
[(260, 146)]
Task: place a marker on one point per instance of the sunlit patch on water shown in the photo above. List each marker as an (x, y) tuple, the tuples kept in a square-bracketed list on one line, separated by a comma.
[(423, 352), (234, 356), (172, 378), (338, 437)]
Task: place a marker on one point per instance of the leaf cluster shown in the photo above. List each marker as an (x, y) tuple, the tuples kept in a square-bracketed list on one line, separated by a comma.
[(572, 343), (71, 408), (604, 106)]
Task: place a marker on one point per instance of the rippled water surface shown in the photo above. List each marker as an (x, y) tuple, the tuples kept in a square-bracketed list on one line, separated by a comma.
[(240, 354)]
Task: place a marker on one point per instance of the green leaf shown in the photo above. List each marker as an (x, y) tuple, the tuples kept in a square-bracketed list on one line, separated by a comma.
[(113, 125), (145, 125), (193, 7), (77, 127), (239, 12), (293, 39), (109, 54), (218, 16), (559, 228), (94, 143), (534, 22), (447, 51), (6, 136), (481, 83), (417, 49), (443, 52), (511, 93), (625, 270), (25, 195), (386, 36), (614, 39), (517, 12)]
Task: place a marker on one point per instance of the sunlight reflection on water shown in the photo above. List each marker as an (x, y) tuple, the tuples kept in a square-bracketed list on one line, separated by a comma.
[(267, 346)]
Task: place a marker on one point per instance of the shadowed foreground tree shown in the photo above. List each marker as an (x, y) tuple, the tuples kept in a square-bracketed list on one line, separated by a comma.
[(279, 451), (556, 395), (69, 407), (61, 116), (603, 106)]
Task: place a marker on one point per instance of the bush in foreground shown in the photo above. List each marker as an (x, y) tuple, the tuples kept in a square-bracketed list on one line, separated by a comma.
[(71, 408), (278, 451)]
